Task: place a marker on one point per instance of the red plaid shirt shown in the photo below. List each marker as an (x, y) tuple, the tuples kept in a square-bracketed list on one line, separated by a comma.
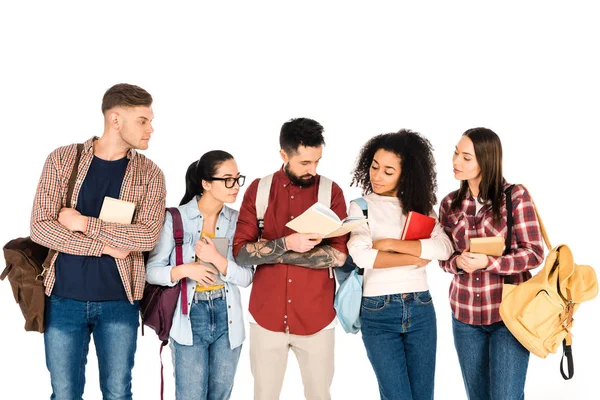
[(143, 184), (475, 298)]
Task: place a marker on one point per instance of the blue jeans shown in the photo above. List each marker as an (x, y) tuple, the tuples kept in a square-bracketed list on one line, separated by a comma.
[(400, 334), (492, 361), (206, 369), (69, 326)]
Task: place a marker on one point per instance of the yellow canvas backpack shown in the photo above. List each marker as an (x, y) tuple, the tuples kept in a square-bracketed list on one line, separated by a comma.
[(539, 312)]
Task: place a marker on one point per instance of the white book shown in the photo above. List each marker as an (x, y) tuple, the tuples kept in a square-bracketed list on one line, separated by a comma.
[(117, 211), (322, 220)]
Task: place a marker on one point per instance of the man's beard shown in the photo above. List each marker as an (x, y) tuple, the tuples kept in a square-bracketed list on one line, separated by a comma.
[(299, 180)]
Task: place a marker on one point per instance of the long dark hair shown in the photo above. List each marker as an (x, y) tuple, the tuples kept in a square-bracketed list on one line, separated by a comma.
[(488, 152), (203, 169), (418, 182)]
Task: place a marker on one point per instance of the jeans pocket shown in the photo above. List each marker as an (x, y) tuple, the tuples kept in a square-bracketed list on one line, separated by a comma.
[(423, 298), (373, 303)]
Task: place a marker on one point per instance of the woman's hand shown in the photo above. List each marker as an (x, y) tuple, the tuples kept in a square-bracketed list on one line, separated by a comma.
[(207, 251), (383, 244), (204, 275), (470, 262)]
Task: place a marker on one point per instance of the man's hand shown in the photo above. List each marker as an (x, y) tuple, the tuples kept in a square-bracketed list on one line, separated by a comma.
[(72, 219), (115, 253), (470, 262), (302, 242)]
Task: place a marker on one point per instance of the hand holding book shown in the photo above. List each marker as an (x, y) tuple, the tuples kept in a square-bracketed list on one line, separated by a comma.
[(491, 246), (323, 221)]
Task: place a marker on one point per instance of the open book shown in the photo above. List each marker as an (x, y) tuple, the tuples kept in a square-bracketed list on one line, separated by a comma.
[(491, 246), (320, 219)]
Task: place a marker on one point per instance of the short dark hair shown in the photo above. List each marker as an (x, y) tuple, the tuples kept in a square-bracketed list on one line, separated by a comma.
[(125, 95), (418, 180), (300, 132)]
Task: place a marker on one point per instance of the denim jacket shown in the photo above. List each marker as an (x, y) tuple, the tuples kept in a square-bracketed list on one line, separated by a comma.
[(162, 259)]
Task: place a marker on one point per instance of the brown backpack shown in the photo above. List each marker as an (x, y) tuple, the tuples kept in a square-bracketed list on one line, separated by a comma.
[(26, 264)]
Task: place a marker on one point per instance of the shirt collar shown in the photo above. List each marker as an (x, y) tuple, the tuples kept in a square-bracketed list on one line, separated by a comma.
[(88, 145), (192, 211)]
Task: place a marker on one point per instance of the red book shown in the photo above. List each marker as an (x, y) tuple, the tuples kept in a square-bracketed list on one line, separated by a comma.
[(417, 226)]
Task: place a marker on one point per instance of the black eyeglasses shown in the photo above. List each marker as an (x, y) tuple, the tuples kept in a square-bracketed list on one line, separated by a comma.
[(230, 182)]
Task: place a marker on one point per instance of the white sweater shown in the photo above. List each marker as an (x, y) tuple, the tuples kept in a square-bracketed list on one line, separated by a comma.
[(386, 221)]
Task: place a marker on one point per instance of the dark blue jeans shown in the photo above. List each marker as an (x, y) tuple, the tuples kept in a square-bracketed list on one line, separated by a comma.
[(69, 326), (492, 361), (400, 335)]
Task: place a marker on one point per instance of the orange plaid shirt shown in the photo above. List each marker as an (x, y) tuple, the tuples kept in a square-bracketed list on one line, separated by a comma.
[(143, 184)]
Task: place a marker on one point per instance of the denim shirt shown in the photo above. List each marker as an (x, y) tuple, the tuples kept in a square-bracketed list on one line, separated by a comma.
[(162, 260)]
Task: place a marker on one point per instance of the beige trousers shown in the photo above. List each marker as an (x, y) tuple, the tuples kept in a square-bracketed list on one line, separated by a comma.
[(268, 360)]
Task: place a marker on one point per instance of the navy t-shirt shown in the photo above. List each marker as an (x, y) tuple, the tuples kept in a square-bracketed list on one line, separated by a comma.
[(88, 278)]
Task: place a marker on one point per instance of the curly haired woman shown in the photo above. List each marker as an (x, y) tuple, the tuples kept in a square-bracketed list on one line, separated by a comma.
[(397, 174)]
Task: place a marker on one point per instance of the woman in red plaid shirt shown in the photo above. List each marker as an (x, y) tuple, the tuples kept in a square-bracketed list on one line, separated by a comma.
[(492, 361)]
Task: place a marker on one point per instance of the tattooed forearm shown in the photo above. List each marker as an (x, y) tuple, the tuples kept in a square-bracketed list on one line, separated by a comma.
[(263, 252), (317, 258)]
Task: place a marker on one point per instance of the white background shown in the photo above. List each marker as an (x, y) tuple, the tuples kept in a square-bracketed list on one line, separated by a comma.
[(227, 76)]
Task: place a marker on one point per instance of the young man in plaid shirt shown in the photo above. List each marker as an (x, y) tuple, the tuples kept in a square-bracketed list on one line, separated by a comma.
[(97, 276)]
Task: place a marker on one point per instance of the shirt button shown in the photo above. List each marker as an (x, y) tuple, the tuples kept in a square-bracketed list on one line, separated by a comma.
[(289, 280), (477, 294), (292, 197), (230, 322), (285, 316), (292, 217), (228, 306), (289, 301), (476, 279), (285, 322)]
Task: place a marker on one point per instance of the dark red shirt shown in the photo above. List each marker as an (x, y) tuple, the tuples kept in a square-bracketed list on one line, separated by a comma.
[(287, 296)]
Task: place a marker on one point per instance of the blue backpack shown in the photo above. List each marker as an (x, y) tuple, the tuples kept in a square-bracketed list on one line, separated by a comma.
[(348, 297)]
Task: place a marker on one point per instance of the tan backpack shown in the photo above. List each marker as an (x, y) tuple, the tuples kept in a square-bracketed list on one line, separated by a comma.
[(539, 312)]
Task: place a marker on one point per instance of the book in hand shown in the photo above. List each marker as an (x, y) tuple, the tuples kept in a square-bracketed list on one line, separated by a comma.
[(322, 220), (417, 226), (117, 211), (222, 245), (491, 246)]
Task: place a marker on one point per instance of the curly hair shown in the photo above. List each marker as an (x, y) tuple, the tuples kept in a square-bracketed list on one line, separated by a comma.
[(418, 181)]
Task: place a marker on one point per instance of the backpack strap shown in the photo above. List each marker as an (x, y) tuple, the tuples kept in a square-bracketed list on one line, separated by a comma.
[(324, 196), (73, 176), (178, 237), (262, 200), (509, 220), (362, 203), (70, 189)]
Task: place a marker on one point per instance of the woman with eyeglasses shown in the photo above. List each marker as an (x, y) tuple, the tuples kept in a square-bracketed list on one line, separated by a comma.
[(206, 343)]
